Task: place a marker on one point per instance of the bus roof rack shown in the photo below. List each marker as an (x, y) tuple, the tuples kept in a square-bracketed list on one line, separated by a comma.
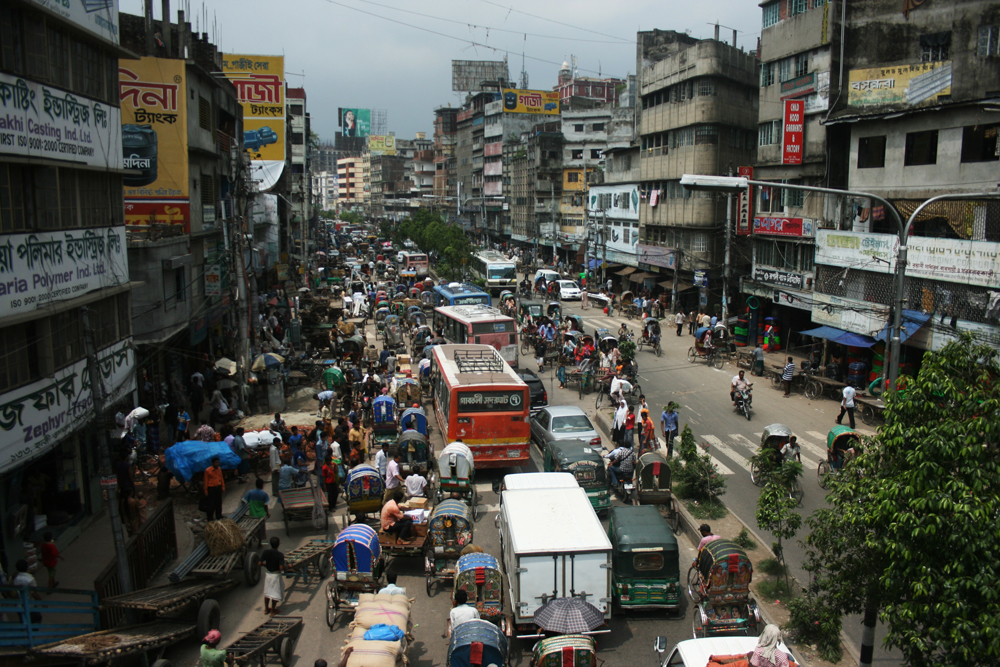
[(479, 361)]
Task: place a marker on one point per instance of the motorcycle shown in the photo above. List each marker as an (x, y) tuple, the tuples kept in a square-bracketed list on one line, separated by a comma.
[(744, 399)]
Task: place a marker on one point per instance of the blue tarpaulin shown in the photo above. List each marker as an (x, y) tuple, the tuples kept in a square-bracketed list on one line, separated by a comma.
[(840, 336), (185, 459), (912, 320)]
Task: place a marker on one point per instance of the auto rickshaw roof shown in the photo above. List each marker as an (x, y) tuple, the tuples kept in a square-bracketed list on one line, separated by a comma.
[(572, 451), (839, 431), (641, 527), (775, 431)]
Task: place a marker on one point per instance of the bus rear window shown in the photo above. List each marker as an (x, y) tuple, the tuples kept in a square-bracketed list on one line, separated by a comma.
[(492, 327), (471, 300)]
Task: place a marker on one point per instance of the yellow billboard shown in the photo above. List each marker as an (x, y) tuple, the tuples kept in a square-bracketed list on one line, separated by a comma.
[(545, 102), (908, 85), (379, 144), (260, 86), (154, 141)]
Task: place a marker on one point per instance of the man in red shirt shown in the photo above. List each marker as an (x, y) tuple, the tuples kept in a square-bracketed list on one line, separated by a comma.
[(213, 487)]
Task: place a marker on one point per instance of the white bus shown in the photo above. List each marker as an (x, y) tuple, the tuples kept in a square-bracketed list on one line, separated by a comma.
[(499, 272)]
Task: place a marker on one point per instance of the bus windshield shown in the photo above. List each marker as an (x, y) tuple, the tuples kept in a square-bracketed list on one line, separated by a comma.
[(501, 272)]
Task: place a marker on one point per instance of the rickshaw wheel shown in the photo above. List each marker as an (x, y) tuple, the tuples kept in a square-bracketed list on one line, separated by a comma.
[(822, 470), (524, 346), (658, 349), (697, 627), (755, 473), (867, 414), (430, 582), (692, 355), (600, 398), (694, 584), (776, 380), (718, 360), (673, 516), (332, 604), (796, 492)]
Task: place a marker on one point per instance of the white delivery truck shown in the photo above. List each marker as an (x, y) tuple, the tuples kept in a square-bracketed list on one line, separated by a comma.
[(552, 545)]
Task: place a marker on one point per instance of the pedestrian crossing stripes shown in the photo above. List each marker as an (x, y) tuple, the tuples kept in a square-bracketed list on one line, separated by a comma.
[(739, 449)]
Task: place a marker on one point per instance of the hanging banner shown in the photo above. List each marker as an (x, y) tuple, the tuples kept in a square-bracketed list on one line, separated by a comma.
[(793, 132), (155, 141), (260, 87), (744, 212)]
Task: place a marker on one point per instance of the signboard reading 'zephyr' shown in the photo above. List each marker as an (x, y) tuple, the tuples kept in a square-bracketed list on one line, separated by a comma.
[(42, 122), (545, 102)]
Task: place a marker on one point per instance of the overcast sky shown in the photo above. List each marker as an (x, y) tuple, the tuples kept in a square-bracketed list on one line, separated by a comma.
[(396, 54)]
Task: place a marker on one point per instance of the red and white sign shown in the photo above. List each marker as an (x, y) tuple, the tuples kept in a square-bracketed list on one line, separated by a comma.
[(793, 132), (744, 213), (783, 226)]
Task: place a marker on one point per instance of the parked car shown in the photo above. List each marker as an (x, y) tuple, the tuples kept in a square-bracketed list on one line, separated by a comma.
[(539, 397), (569, 290), (563, 422)]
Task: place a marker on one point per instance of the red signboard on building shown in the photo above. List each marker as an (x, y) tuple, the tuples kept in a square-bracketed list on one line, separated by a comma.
[(783, 226), (793, 132), (744, 212)]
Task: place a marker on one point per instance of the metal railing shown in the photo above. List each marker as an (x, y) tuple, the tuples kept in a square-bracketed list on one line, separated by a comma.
[(24, 624), (149, 550)]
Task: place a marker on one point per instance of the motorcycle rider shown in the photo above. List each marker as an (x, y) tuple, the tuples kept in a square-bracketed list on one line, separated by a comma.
[(622, 465), (622, 331), (739, 384)]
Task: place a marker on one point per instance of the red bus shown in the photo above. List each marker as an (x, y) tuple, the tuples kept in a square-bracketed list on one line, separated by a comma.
[(416, 261), (479, 400), (480, 325)]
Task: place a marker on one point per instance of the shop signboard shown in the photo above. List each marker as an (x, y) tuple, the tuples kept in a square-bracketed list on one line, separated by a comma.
[(775, 277), (700, 279), (36, 417), (99, 17), (909, 85), (39, 121), (543, 102), (655, 255), (155, 141), (40, 268), (260, 88), (382, 144), (848, 314), (793, 132), (213, 280), (744, 225), (983, 334), (775, 226)]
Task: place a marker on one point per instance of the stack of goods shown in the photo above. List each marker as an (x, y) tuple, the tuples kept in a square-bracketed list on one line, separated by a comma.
[(772, 339), (857, 371), (380, 632), (742, 331)]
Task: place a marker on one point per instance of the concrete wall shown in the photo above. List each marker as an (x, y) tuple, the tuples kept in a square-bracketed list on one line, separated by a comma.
[(156, 319)]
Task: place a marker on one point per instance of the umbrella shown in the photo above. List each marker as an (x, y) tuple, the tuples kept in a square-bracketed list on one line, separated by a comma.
[(321, 253), (267, 360), (273, 302), (224, 364), (569, 616)]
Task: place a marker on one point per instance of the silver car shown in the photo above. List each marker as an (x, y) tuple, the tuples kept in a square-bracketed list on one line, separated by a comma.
[(563, 423)]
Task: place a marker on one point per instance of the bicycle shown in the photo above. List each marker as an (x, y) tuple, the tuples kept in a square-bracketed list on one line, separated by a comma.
[(604, 389)]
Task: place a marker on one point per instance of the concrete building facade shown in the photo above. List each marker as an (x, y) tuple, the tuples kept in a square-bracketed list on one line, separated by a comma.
[(350, 184), (445, 176), (297, 170), (535, 165)]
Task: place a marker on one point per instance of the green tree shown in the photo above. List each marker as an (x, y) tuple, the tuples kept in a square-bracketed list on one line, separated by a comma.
[(698, 476), (912, 534), (351, 217), (776, 509)]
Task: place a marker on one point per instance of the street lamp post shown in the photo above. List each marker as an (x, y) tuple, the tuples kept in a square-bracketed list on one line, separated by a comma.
[(733, 185)]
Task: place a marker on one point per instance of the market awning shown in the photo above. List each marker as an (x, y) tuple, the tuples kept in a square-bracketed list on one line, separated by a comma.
[(669, 284), (912, 321), (626, 271), (639, 277), (840, 336)]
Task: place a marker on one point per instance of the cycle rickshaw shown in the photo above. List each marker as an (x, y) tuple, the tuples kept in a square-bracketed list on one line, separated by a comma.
[(719, 585), (457, 476), (480, 577), (768, 458), (449, 530), (357, 568), (700, 350), (842, 444), (652, 341)]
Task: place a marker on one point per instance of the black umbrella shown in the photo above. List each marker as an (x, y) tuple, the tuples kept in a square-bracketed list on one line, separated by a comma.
[(569, 616)]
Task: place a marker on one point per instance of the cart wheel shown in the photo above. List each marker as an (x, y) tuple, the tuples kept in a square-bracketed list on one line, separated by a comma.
[(692, 355), (822, 471), (600, 398), (796, 492), (718, 360), (324, 567), (286, 651), (251, 569), (332, 604), (813, 390), (776, 380), (430, 581), (673, 517), (697, 626), (694, 583), (163, 663), (658, 349), (868, 414), (209, 615)]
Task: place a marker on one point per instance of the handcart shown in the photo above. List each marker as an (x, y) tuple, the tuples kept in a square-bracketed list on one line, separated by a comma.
[(98, 648), (220, 566), (305, 503), (171, 599), (309, 560), (358, 567), (276, 635)]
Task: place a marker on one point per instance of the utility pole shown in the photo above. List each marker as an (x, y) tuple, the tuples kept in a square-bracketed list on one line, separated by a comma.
[(677, 270), (727, 270), (604, 244), (552, 198), (104, 451)]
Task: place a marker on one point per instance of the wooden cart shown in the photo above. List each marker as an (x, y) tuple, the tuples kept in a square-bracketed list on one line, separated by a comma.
[(222, 565), (172, 599), (312, 559), (98, 648), (872, 409), (278, 634)]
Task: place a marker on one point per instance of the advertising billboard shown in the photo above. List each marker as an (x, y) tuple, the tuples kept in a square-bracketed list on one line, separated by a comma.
[(99, 17), (37, 121), (154, 141), (763, 224), (474, 76), (382, 144), (793, 126), (545, 102), (355, 122), (744, 225), (909, 85), (260, 87)]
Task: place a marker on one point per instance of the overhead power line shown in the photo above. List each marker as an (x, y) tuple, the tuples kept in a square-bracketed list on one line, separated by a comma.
[(567, 25)]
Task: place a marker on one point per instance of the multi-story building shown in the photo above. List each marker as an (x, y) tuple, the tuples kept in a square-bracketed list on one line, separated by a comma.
[(350, 184), (445, 179), (613, 216), (698, 114), (535, 166), (585, 92), (389, 188), (324, 190), (469, 159), (499, 127), (419, 171), (298, 179), (588, 133), (62, 253), (323, 157)]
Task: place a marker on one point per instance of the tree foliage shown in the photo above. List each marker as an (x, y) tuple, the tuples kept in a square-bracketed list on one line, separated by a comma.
[(698, 476), (913, 531), (431, 233), (776, 508)]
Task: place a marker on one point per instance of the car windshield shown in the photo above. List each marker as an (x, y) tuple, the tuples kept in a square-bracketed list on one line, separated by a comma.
[(571, 424), (568, 283)]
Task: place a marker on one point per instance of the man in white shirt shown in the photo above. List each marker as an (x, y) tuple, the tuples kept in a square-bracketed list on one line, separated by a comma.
[(198, 379), (739, 384), (416, 485), (274, 459), (847, 404), (460, 613), (390, 585), (393, 478), (381, 461)]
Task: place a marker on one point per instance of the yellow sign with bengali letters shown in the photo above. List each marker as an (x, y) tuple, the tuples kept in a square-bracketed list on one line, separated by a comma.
[(544, 102), (915, 84), (260, 87)]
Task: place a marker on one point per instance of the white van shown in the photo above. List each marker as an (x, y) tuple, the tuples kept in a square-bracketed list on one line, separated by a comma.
[(548, 274), (696, 652)]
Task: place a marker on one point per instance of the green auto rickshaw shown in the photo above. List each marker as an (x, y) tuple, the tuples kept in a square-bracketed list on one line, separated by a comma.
[(529, 308), (586, 465), (645, 560)]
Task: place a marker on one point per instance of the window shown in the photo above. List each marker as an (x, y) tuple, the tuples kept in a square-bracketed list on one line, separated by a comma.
[(801, 64), (598, 127), (576, 154), (699, 242), (921, 148), (768, 133), (979, 143), (989, 38), (298, 138), (595, 153), (935, 47), (871, 152), (573, 177), (295, 109), (706, 134), (204, 114), (793, 198), (207, 190), (771, 14), (766, 74), (647, 562), (706, 87), (18, 356), (798, 6), (819, 3), (578, 127), (784, 69)]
